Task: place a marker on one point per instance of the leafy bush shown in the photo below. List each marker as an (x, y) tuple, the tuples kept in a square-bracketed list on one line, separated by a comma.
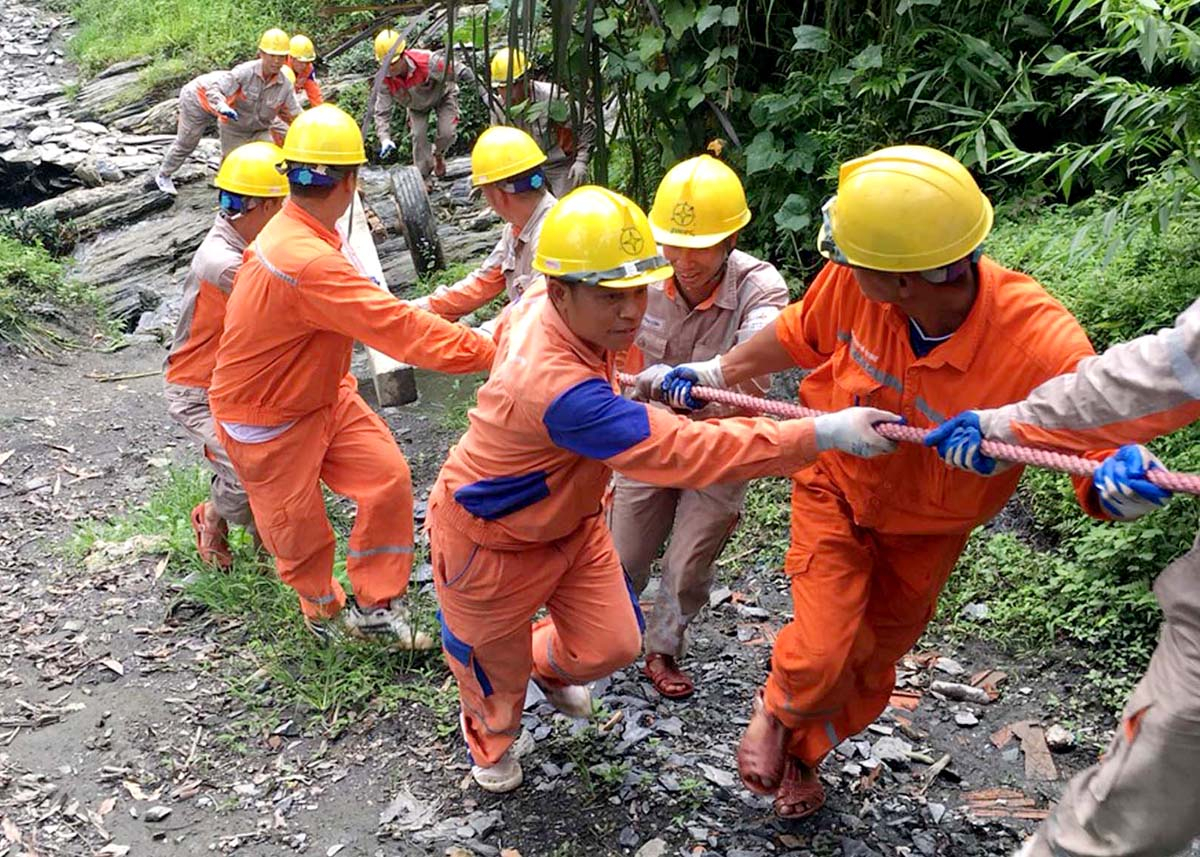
[(32, 289)]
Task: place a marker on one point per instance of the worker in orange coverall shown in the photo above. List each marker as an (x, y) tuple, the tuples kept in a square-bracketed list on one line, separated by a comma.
[(288, 411), (719, 296), (302, 56), (506, 164), (909, 316), (516, 519), (1141, 799), (252, 191)]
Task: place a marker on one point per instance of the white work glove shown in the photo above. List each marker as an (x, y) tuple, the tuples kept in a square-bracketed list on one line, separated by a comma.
[(577, 174), (228, 112), (647, 387), (386, 148), (677, 384), (421, 303), (852, 431)]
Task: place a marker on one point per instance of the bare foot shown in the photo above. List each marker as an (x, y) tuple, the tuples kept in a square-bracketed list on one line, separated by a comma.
[(763, 750)]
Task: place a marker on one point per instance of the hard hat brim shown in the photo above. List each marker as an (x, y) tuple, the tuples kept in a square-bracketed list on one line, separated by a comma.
[(643, 279), (515, 169), (274, 53)]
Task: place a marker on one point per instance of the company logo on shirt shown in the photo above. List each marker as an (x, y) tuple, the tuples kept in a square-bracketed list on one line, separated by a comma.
[(651, 322)]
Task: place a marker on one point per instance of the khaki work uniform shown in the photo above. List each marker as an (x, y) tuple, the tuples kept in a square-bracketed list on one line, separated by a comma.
[(189, 364), (508, 268), (699, 521), (563, 143), (427, 89), (258, 103), (1142, 798)]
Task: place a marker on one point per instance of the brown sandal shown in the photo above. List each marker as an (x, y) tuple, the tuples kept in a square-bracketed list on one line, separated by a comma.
[(212, 544), (762, 752), (666, 676), (796, 791)]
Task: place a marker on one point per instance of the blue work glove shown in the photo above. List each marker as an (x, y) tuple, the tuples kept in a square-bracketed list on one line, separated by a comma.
[(1120, 481), (228, 112), (677, 384), (958, 442), (387, 148)]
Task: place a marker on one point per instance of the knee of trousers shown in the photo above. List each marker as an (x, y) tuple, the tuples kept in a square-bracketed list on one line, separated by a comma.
[(619, 647)]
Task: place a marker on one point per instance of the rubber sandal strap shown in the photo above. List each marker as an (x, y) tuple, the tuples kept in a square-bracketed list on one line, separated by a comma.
[(662, 672), (807, 795)]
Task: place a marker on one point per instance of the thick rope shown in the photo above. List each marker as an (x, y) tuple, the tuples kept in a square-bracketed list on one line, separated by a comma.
[(1188, 483)]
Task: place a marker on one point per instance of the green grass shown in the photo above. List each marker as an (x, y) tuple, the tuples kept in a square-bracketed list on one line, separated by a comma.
[(332, 685), (33, 291)]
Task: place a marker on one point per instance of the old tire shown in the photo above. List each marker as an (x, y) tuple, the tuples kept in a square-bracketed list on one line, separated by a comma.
[(416, 219)]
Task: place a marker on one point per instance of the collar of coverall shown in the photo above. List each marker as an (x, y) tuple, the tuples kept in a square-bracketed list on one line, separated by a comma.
[(724, 295), (960, 349), (292, 209)]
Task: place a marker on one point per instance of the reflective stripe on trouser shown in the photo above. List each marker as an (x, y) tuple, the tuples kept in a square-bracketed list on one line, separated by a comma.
[(349, 448), (1142, 798), (447, 129), (486, 598), (232, 136), (699, 522), (188, 406), (193, 121), (861, 600)]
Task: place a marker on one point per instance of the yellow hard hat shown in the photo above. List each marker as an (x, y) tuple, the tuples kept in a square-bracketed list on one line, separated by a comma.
[(598, 237), (252, 169), (302, 48), (502, 152), (275, 41), (324, 135), (700, 202), (289, 73), (903, 209), (384, 42), (500, 63)]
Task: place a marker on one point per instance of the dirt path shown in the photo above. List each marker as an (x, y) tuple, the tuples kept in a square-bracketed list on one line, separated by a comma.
[(109, 712)]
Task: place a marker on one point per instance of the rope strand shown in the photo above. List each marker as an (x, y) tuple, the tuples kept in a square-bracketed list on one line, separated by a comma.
[(1187, 483)]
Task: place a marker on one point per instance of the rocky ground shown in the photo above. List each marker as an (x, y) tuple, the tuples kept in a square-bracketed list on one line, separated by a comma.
[(128, 725)]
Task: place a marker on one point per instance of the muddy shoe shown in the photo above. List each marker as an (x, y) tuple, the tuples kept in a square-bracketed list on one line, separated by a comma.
[(165, 184), (506, 774), (391, 623), (329, 632)]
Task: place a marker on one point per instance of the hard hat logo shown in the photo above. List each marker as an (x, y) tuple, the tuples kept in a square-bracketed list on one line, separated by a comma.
[(631, 240), (684, 214)]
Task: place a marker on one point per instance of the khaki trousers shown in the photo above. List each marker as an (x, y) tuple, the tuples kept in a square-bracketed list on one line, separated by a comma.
[(447, 129), (1142, 799), (698, 522), (188, 406)]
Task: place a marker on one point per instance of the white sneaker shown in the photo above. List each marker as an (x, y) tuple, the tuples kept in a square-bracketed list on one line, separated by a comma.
[(573, 700), (392, 622), (505, 775), (166, 184)]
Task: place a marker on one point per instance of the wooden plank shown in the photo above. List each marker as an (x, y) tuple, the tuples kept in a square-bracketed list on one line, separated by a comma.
[(395, 383)]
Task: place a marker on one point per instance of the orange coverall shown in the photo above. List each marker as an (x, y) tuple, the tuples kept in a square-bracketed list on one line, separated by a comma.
[(308, 85), (873, 541), (298, 305), (516, 519)]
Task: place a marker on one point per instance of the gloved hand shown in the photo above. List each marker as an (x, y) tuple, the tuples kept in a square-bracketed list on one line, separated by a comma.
[(647, 387), (228, 112), (577, 174), (852, 431), (677, 384), (1120, 481), (420, 303), (958, 442), (387, 147)]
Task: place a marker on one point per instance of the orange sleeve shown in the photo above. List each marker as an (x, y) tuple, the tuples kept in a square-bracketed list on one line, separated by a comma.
[(809, 328), (468, 294), (334, 296), (313, 89)]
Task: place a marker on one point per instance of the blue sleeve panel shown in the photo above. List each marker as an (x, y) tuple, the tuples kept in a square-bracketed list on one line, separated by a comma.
[(591, 420), (494, 498)]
